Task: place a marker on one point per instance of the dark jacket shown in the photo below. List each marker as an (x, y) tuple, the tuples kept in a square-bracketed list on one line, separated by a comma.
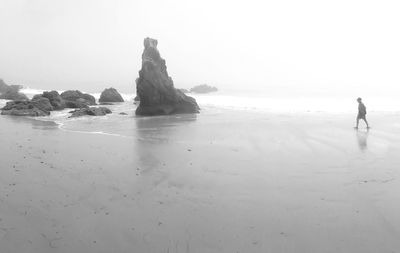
[(362, 110)]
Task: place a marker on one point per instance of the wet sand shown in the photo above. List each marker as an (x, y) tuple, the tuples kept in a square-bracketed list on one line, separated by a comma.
[(217, 182)]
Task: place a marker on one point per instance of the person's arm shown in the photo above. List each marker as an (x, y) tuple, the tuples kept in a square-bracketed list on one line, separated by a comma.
[(363, 109)]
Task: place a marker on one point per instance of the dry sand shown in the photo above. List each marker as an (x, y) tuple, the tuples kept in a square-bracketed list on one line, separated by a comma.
[(222, 182)]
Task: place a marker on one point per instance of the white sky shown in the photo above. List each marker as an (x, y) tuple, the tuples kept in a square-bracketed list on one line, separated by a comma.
[(93, 44)]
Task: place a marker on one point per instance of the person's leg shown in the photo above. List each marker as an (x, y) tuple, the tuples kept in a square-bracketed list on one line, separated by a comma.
[(366, 122), (357, 121)]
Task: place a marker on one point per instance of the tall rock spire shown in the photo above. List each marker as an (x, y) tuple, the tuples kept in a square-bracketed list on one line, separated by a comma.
[(155, 87)]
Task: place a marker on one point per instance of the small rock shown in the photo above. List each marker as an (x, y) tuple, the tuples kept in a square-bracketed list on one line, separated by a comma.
[(92, 111)]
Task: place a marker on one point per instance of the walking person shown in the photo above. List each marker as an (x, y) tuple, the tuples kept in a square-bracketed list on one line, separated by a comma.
[(362, 111)]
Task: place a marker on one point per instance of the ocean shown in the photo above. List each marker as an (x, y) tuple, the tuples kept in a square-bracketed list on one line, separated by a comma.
[(212, 105)]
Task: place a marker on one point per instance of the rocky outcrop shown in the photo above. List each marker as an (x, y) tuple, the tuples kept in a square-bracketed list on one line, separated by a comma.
[(55, 99), (68, 99), (110, 95), (22, 106), (184, 90), (92, 111), (13, 95), (155, 87), (11, 92), (3, 86), (77, 99), (80, 103), (42, 104), (27, 108), (203, 88)]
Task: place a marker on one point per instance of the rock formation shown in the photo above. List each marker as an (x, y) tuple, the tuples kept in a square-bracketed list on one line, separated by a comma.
[(3, 86), (42, 104), (55, 99), (184, 90), (37, 106), (155, 87), (13, 95), (27, 108), (110, 95), (68, 99), (92, 111), (77, 99), (11, 92), (203, 88)]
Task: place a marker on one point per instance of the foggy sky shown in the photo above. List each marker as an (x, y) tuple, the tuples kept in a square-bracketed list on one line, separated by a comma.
[(93, 44)]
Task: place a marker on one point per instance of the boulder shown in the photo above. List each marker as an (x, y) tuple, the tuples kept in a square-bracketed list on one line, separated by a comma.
[(203, 88), (42, 103), (155, 87), (92, 111), (77, 99), (80, 103), (55, 99), (110, 95), (25, 108)]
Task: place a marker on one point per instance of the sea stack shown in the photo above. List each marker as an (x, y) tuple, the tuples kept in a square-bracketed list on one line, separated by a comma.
[(155, 87)]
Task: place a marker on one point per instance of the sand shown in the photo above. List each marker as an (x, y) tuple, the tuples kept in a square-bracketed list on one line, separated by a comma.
[(217, 182)]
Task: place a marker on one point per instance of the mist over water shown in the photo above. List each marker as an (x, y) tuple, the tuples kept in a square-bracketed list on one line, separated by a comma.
[(288, 48), (283, 99), (267, 102)]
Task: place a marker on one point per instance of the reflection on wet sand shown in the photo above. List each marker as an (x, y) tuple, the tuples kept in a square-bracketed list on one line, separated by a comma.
[(163, 127), (36, 123), (362, 138), (163, 121), (156, 144)]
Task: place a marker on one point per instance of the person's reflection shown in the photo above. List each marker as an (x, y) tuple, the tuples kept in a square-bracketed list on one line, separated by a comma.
[(362, 138)]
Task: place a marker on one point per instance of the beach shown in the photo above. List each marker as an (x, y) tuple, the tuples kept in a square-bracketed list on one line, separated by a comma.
[(219, 181), (199, 126)]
